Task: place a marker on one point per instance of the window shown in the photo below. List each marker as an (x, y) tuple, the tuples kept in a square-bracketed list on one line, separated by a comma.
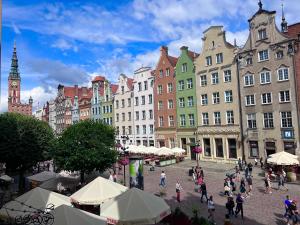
[(123, 116), (145, 85), (263, 55), (137, 115), (168, 72), (217, 118), (129, 102), (150, 114), (150, 99), (284, 96), (229, 117), (129, 116), (182, 120), (265, 77), (106, 98), (159, 89), (262, 34), (129, 130), (123, 130), (140, 86), (170, 87), (219, 147), (249, 61), (143, 115), (228, 96), (208, 61), (283, 74), (214, 78), (219, 58), (203, 80), (181, 102), (170, 104), (104, 109), (160, 105), (279, 54), (248, 80), (268, 120), (204, 99), (151, 83), (110, 108), (189, 83), (123, 103), (190, 101), (161, 121), (144, 129), (266, 98), (151, 129), (161, 73), (143, 100), (192, 120), (207, 149), (253, 145), (117, 104), (205, 120), (286, 119), (251, 121), (137, 128), (180, 85), (122, 89), (136, 101), (171, 121), (250, 100), (184, 68), (216, 98), (117, 117), (227, 76)]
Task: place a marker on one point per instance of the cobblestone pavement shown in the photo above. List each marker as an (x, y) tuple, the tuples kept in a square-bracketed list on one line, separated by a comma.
[(260, 208)]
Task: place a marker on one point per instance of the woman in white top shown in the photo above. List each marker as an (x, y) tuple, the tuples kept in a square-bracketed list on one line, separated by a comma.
[(178, 189), (211, 208)]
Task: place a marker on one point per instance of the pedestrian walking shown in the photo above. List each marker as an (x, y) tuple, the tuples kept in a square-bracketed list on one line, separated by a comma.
[(281, 177), (255, 161), (227, 190), (237, 173), (211, 209), (239, 206), (163, 179), (249, 181), (111, 178), (250, 168), (115, 177), (240, 164), (201, 173), (261, 160), (203, 192), (243, 188), (294, 213), (178, 190), (287, 203), (268, 184), (230, 206), (233, 185), (246, 172)]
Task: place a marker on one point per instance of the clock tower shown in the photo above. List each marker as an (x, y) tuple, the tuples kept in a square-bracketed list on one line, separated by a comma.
[(14, 80)]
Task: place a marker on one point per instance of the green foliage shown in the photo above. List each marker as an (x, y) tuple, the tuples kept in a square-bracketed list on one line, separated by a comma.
[(24, 141), (86, 146)]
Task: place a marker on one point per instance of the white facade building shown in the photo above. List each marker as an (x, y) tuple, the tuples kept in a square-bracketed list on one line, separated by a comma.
[(52, 114), (38, 113), (143, 114)]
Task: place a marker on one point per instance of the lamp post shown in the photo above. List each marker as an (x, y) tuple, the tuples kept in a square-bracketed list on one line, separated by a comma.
[(124, 161), (197, 149)]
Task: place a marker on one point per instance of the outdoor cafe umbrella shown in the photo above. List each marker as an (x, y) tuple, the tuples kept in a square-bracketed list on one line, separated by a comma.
[(97, 191), (178, 150), (283, 158), (165, 151), (135, 207)]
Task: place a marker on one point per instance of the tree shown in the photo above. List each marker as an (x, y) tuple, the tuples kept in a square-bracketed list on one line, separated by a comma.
[(24, 141), (86, 146)]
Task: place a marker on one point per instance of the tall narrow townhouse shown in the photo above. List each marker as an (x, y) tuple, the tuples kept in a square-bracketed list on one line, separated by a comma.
[(124, 109), (267, 82), (84, 103), (96, 103), (186, 100), (218, 105), (143, 106), (165, 119), (107, 101)]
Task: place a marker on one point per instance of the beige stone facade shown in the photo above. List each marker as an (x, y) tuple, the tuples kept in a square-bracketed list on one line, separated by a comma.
[(267, 82), (218, 130)]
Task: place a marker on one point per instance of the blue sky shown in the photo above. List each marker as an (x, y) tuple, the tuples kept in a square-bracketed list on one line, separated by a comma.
[(69, 42)]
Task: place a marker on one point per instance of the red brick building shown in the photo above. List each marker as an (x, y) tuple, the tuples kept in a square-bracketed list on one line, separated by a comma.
[(165, 100), (14, 89)]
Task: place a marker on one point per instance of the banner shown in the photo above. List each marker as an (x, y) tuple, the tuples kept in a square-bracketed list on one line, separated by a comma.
[(136, 172)]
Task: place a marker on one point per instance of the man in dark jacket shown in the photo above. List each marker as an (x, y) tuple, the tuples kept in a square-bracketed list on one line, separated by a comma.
[(203, 192), (230, 206), (239, 205)]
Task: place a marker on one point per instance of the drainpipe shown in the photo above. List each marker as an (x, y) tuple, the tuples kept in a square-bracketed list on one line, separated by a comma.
[(240, 108)]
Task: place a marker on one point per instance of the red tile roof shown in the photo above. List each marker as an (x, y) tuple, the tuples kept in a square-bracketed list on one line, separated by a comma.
[(173, 60), (70, 92), (114, 88), (130, 83), (294, 30), (98, 78), (192, 55)]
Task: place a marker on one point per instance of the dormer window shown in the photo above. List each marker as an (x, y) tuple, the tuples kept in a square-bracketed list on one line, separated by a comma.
[(249, 61), (262, 34), (184, 68), (208, 61), (122, 89), (279, 54)]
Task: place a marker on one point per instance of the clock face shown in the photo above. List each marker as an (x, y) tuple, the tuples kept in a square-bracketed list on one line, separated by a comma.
[(14, 83)]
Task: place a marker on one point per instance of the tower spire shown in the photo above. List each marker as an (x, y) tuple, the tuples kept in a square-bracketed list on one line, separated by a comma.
[(284, 24), (14, 68), (260, 5)]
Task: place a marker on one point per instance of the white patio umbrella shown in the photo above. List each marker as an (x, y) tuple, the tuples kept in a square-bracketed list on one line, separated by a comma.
[(42, 176), (66, 215), (283, 158), (97, 191), (165, 151), (135, 207), (178, 150), (37, 198), (152, 150)]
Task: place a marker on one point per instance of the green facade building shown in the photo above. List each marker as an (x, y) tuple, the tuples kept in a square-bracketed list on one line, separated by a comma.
[(107, 102), (186, 101)]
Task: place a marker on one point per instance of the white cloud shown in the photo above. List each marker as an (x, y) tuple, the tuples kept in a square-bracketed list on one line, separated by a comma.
[(16, 28), (63, 45)]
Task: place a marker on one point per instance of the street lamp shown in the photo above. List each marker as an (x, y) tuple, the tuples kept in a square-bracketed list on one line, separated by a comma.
[(197, 149), (124, 161)]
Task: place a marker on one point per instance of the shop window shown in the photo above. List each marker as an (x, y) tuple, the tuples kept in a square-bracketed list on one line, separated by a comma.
[(253, 146), (289, 147), (207, 148), (219, 147), (232, 148)]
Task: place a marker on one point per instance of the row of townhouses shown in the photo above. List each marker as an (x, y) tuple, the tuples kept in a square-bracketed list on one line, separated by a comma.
[(234, 102)]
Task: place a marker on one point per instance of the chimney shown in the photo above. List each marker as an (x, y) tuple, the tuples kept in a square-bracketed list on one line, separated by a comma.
[(76, 89), (184, 48), (164, 50)]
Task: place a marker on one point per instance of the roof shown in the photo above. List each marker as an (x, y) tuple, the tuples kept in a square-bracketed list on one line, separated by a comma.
[(193, 55), (261, 11), (173, 60), (71, 92), (98, 78), (293, 30), (130, 83), (114, 88)]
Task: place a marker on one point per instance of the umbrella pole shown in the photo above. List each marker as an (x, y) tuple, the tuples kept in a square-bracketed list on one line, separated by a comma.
[(124, 177)]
